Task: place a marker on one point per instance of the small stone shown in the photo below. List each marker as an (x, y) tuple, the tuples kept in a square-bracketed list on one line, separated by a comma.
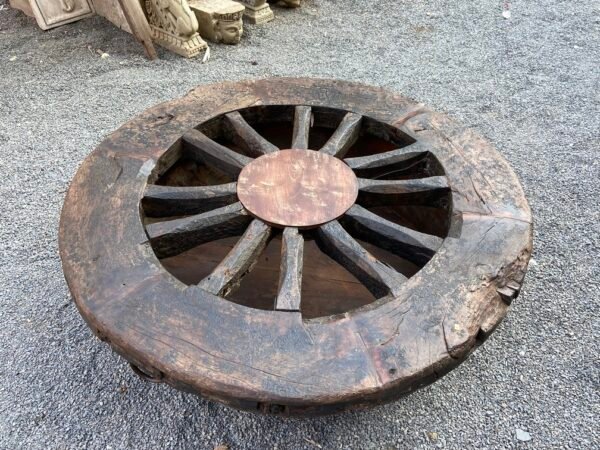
[(12, 58), (432, 435), (523, 435), (222, 447), (506, 14), (104, 55)]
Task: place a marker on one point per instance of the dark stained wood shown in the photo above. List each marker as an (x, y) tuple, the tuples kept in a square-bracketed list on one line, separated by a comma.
[(281, 362), (172, 237), (290, 275), (138, 23), (214, 154), (379, 165), (165, 201), (329, 289), (302, 124), (239, 260), (421, 190), (297, 188), (379, 278), (416, 247), (344, 136), (403, 186), (247, 137)]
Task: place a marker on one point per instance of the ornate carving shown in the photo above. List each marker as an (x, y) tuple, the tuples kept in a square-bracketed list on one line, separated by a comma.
[(257, 11), (174, 26), (68, 5), (53, 13), (219, 20)]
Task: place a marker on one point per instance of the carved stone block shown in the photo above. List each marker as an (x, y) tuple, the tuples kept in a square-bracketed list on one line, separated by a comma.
[(53, 13), (219, 20), (257, 11), (175, 27)]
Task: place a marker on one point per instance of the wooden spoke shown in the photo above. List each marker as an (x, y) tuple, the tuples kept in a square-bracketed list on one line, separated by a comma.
[(407, 243), (290, 275), (164, 201), (302, 124), (345, 135), (214, 154), (239, 261), (171, 237), (378, 277), (417, 191), (382, 164), (247, 137)]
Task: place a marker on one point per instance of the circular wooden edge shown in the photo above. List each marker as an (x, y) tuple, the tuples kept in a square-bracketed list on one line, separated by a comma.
[(121, 289), (313, 215)]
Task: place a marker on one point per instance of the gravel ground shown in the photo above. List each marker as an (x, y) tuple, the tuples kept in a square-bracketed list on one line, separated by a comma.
[(529, 83)]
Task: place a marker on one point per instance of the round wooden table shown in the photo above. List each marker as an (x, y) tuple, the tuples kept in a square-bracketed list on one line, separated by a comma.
[(294, 246)]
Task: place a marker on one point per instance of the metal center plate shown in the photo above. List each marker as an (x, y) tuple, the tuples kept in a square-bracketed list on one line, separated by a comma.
[(297, 188)]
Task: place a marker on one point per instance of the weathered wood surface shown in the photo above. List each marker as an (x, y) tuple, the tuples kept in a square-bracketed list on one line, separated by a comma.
[(302, 124), (379, 165), (247, 137), (165, 201), (239, 260), (138, 25), (198, 342), (379, 278), (214, 154), (420, 190), (290, 276), (412, 245), (297, 188), (344, 136), (175, 236)]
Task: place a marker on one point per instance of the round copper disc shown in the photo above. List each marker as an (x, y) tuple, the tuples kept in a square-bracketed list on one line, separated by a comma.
[(297, 188)]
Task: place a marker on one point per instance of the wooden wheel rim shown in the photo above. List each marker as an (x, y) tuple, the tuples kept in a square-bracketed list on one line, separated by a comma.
[(275, 361)]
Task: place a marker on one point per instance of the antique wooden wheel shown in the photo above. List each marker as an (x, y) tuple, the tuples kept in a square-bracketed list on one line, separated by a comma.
[(294, 246)]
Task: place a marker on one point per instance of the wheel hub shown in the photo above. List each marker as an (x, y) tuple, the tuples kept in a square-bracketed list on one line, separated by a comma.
[(297, 188)]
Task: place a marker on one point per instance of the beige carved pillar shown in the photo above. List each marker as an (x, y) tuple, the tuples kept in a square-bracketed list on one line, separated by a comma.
[(219, 20), (257, 11), (174, 26)]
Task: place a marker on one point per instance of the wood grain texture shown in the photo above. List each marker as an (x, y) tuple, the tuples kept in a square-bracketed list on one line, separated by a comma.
[(274, 361), (239, 260), (381, 164), (302, 124), (138, 24), (416, 191), (344, 136), (379, 278), (412, 245), (290, 276), (165, 201), (247, 137), (172, 237), (297, 188), (214, 154)]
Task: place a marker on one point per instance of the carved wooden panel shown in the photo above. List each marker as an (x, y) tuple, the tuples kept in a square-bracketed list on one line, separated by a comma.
[(53, 13)]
